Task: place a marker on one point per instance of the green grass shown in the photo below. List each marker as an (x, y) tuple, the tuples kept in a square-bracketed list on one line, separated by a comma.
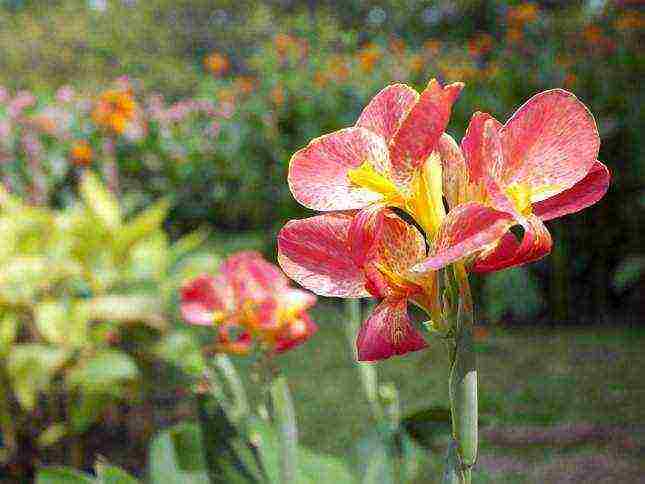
[(554, 402)]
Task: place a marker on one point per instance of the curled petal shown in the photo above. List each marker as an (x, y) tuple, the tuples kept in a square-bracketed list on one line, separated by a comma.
[(550, 143), (364, 231), (472, 145), (422, 128), (467, 229), (454, 171), (315, 253), (388, 109), (583, 194), (202, 297), (535, 244), (296, 332), (401, 245), (318, 174), (388, 332)]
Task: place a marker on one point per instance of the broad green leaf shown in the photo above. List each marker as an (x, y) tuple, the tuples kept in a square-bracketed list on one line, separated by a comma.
[(88, 408), (52, 434), (62, 475), (109, 474), (61, 323), (142, 225), (312, 466), (187, 244), (181, 349), (170, 463), (31, 368), (102, 203), (126, 309), (103, 372), (8, 331)]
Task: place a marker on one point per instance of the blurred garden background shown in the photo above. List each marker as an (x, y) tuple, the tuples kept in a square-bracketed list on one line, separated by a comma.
[(143, 141)]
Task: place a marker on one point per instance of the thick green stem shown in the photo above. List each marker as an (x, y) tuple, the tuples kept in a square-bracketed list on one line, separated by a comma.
[(463, 389)]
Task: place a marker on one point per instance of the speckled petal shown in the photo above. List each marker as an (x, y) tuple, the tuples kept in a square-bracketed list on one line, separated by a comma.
[(295, 333), (318, 173), (388, 332), (388, 109), (583, 194), (472, 145), (420, 131), (467, 229), (535, 244), (454, 171), (315, 253), (550, 143)]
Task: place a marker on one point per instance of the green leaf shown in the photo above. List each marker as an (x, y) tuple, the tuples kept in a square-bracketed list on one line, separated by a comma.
[(61, 323), (8, 331), (31, 368), (88, 408), (103, 204), (171, 463), (52, 434), (103, 371), (126, 309), (311, 466), (142, 225), (108, 474), (181, 349), (62, 475)]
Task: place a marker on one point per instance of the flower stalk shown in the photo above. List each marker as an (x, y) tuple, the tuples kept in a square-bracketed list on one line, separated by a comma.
[(462, 452)]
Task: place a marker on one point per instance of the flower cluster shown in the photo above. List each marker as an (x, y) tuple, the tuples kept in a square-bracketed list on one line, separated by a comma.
[(114, 109), (249, 301), (539, 165)]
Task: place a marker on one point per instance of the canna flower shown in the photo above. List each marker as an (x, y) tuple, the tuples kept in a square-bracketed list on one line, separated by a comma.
[(249, 301), (81, 153), (384, 159), (540, 165), (114, 110), (348, 254)]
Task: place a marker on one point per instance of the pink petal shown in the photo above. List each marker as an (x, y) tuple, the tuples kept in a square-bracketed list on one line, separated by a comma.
[(296, 332), (366, 227), (583, 194), (551, 141), (536, 243), (252, 277), (420, 131), (201, 297), (318, 173), (388, 332), (315, 253), (472, 145), (387, 110), (467, 229), (239, 345), (454, 171)]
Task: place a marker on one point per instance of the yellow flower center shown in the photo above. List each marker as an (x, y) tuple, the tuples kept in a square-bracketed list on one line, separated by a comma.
[(366, 176), (425, 202)]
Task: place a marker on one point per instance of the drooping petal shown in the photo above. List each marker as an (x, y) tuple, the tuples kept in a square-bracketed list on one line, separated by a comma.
[(535, 244), (422, 128), (318, 174), (467, 229), (454, 172), (388, 332), (401, 245), (315, 253), (583, 194), (387, 110), (472, 145), (550, 143), (296, 332), (202, 297)]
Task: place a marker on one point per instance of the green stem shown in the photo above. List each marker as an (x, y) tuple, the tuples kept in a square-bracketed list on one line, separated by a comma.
[(462, 453), (285, 416)]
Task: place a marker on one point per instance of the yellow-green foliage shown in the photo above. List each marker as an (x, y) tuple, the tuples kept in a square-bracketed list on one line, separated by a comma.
[(70, 281)]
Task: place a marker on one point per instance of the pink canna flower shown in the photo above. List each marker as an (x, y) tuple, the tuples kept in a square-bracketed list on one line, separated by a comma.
[(540, 165), (363, 254), (249, 301)]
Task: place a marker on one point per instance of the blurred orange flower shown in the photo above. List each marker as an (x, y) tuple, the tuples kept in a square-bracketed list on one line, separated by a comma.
[(81, 153), (277, 95), (397, 46), (630, 21), (114, 109), (244, 85), (368, 56), (216, 63), (522, 14), (417, 62), (514, 35), (432, 46)]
